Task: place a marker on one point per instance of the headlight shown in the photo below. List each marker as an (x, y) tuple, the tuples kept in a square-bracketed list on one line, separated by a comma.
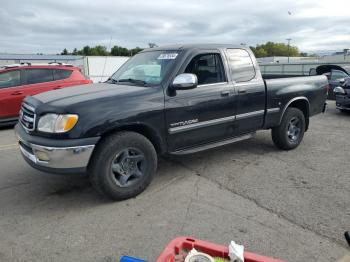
[(54, 123)]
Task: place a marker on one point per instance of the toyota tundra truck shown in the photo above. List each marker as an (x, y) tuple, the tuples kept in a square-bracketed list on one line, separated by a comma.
[(170, 100)]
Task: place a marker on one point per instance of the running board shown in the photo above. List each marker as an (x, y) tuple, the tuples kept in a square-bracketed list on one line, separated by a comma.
[(212, 145)]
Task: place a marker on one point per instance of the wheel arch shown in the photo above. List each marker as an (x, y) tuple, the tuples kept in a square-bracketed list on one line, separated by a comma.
[(152, 135), (303, 104)]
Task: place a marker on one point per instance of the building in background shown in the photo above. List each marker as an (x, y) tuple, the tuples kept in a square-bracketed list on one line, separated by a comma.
[(284, 59), (100, 68), (302, 65), (343, 56)]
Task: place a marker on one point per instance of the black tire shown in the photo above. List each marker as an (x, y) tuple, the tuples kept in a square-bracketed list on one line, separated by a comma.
[(286, 136), (344, 111), (107, 180)]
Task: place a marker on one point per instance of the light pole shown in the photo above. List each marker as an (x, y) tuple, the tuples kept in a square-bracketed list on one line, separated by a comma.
[(345, 53), (288, 39)]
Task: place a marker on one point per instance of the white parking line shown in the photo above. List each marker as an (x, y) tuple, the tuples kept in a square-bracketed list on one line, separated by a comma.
[(8, 147)]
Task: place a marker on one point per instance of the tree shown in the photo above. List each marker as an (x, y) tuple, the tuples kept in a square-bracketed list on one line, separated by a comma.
[(119, 51), (99, 50), (86, 50), (259, 52), (135, 50), (275, 49), (64, 52)]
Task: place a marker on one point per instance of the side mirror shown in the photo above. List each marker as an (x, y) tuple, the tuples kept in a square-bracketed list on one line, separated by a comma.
[(339, 90), (185, 82), (341, 80)]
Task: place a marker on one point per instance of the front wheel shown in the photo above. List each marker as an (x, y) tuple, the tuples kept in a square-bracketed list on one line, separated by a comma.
[(290, 132), (123, 165)]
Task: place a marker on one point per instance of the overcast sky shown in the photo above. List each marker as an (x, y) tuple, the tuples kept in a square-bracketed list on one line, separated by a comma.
[(49, 26)]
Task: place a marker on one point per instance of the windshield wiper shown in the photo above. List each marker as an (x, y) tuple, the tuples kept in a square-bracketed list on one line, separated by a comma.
[(131, 80), (112, 80)]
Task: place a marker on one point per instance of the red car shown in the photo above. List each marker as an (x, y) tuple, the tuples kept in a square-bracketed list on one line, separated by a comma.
[(19, 81)]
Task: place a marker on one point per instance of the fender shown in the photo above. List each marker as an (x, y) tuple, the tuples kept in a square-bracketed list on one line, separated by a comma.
[(290, 102), (144, 129)]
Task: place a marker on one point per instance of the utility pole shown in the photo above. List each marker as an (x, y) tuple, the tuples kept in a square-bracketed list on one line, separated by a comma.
[(288, 39), (104, 66), (345, 53)]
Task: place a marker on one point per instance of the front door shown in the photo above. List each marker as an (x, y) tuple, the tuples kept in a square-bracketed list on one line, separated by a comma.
[(205, 113), (11, 94)]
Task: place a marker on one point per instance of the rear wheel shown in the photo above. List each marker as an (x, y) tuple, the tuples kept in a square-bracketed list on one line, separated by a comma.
[(290, 132), (123, 165)]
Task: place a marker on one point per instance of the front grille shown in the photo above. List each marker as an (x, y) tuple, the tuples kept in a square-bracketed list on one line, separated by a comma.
[(27, 116)]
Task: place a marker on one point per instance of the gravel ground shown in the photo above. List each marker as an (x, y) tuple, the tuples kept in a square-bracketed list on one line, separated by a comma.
[(290, 205)]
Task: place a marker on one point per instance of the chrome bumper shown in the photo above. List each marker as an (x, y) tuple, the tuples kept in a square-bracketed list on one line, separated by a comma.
[(56, 157)]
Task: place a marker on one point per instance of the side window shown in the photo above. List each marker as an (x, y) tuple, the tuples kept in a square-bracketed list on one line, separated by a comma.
[(208, 68), (60, 74), (39, 75), (335, 75), (10, 78), (241, 65)]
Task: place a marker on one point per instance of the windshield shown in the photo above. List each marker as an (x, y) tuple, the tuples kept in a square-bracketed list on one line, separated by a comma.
[(147, 69)]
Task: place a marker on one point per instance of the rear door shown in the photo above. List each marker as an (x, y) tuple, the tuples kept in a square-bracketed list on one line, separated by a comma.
[(250, 87), (203, 114)]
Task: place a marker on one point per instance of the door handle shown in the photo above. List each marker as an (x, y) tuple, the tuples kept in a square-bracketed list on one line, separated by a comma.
[(16, 93), (242, 91), (225, 93), (58, 87)]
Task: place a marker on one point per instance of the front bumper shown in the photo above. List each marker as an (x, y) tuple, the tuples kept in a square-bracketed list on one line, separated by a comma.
[(342, 102), (59, 156)]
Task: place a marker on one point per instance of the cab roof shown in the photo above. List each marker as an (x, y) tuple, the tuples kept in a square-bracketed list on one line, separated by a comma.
[(194, 46)]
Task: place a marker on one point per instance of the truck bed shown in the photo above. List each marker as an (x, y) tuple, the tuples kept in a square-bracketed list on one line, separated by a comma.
[(282, 89), (274, 76)]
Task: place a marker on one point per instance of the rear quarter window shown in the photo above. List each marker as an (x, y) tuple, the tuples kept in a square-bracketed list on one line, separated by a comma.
[(35, 76), (60, 74), (241, 65)]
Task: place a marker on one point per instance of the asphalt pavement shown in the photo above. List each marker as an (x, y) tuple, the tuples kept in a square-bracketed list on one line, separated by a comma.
[(292, 205)]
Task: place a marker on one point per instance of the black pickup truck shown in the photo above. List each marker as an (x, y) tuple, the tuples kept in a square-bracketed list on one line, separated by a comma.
[(169, 100)]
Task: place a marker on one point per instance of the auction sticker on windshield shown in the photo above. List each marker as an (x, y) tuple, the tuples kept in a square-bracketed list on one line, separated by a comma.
[(167, 56)]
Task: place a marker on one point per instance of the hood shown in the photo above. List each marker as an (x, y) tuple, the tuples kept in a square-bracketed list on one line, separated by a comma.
[(328, 68), (84, 93)]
